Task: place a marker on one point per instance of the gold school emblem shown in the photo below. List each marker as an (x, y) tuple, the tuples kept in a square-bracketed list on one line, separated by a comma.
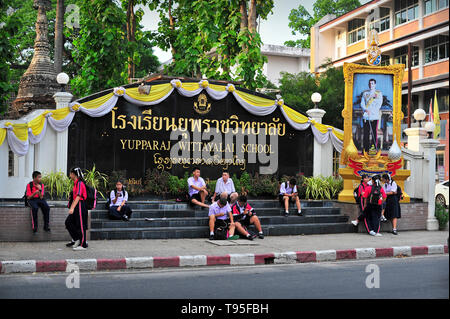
[(202, 106)]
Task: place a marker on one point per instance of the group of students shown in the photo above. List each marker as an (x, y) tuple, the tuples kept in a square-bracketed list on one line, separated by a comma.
[(232, 212), (229, 211), (378, 203), (77, 220)]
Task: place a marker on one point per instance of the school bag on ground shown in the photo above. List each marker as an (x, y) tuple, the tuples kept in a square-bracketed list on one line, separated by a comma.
[(220, 230)]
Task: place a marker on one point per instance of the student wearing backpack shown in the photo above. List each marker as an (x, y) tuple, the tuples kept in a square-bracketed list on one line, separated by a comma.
[(244, 216), (392, 210), (358, 194), (374, 195), (76, 222), (34, 196), (220, 213), (289, 193), (118, 209)]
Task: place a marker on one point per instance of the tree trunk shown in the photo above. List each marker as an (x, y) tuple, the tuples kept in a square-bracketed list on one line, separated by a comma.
[(252, 17), (131, 36), (172, 27), (59, 36), (244, 17)]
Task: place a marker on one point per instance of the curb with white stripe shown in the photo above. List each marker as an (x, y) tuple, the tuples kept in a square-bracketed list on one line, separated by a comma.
[(32, 266)]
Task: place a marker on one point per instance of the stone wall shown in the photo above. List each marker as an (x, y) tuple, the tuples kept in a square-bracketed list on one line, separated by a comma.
[(414, 216), (15, 224)]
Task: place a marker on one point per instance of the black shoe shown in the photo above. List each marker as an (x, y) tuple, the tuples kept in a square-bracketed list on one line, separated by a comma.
[(70, 244), (300, 214), (395, 232), (48, 230), (125, 218), (211, 237), (250, 237), (286, 214), (261, 236)]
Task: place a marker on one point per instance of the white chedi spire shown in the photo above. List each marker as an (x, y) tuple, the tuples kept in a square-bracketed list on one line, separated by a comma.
[(395, 153)]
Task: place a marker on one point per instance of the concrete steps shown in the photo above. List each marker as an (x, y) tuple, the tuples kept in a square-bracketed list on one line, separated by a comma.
[(179, 220)]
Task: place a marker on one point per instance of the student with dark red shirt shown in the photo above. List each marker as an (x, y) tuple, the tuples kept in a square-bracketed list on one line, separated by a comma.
[(374, 195), (244, 215), (76, 222), (35, 197)]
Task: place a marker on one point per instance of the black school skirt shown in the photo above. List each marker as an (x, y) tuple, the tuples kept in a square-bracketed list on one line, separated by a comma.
[(392, 209)]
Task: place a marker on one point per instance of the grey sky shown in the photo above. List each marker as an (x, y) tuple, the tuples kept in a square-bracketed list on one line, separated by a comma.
[(274, 30)]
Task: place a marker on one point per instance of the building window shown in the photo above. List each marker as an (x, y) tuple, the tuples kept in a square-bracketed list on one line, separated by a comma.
[(356, 30), (431, 6), (385, 60), (383, 23), (401, 56), (10, 163), (436, 48), (406, 10), (442, 97)]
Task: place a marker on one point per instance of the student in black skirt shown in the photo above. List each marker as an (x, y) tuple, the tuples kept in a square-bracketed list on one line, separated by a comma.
[(392, 210), (76, 222)]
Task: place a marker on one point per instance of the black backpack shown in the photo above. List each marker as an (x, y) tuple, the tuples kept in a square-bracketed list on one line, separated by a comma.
[(375, 195), (220, 230), (25, 197), (91, 197), (399, 193)]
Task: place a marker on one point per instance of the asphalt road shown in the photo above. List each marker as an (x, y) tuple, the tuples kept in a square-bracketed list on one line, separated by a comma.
[(412, 277)]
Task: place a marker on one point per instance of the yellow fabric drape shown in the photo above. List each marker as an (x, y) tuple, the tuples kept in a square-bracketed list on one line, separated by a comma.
[(2, 135), (294, 115), (156, 92), (93, 104), (37, 124), (254, 100)]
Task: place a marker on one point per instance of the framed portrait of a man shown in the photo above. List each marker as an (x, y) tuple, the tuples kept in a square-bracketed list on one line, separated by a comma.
[(372, 109), (372, 112)]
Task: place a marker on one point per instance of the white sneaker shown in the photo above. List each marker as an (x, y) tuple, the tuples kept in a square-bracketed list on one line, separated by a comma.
[(378, 235), (77, 243), (80, 248), (355, 222), (372, 233), (383, 219)]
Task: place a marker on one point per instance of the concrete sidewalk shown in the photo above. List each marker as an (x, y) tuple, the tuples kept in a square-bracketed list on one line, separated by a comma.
[(114, 249)]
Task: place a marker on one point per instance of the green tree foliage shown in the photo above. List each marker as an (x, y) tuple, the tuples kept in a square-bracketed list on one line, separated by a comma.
[(210, 37), (296, 90), (9, 24), (95, 55), (301, 21)]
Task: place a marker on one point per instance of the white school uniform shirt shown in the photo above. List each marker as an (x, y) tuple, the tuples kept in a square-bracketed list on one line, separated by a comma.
[(287, 189), (372, 105), (227, 187), (200, 182), (120, 199)]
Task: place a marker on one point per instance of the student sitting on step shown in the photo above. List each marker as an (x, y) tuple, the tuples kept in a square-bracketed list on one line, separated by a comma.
[(197, 189), (244, 216), (221, 210), (225, 184), (118, 209), (35, 197), (288, 193)]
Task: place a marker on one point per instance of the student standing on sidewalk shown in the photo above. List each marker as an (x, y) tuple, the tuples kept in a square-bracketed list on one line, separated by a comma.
[(374, 196), (35, 197), (392, 210), (76, 222), (359, 198)]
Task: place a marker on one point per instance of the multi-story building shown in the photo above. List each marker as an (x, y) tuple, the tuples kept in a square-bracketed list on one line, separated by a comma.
[(423, 23)]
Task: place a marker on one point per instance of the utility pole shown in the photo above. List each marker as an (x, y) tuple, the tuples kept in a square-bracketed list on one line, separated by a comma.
[(409, 83)]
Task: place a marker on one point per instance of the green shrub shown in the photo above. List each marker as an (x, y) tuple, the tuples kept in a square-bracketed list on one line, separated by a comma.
[(97, 180), (157, 182), (322, 187), (57, 184), (441, 214), (245, 183)]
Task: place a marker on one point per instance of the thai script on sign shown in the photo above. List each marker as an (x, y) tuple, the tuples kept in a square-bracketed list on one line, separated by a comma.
[(147, 122)]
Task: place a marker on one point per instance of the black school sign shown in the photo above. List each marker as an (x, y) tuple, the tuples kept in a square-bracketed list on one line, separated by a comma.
[(135, 138)]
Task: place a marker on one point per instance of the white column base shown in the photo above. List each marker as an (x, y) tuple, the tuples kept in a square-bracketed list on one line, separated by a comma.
[(432, 224)]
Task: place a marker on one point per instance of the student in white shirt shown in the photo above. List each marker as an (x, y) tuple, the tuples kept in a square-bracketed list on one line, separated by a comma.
[(118, 208), (288, 193), (226, 185)]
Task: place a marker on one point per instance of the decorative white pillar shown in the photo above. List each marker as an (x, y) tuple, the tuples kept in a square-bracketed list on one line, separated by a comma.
[(415, 136), (323, 153), (429, 146), (62, 100)]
